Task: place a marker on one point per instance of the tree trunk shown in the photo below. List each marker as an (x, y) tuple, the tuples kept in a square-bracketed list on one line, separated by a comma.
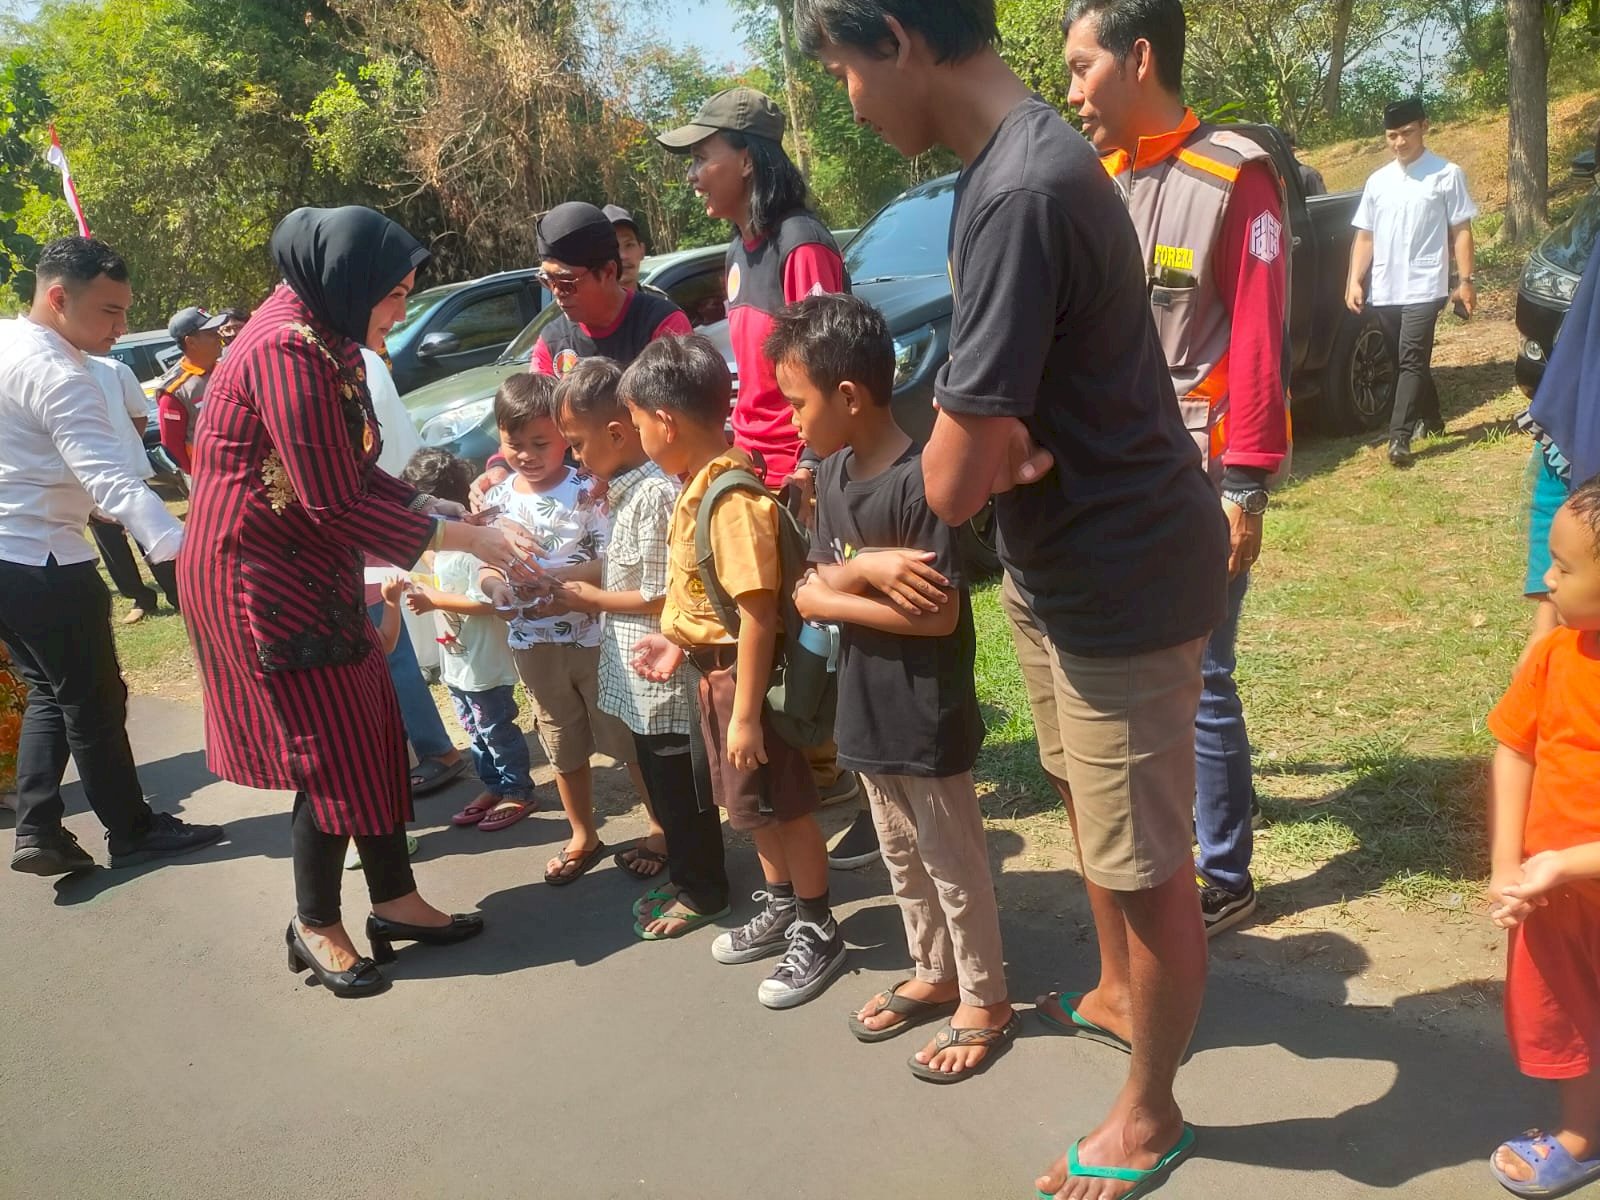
[(791, 89), (1336, 54), (1528, 172)]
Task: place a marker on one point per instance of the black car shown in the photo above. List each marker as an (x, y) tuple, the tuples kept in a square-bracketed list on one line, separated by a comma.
[(458, 326), (1550, 280)]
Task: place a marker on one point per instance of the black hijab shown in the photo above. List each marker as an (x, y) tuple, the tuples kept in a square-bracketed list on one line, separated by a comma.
[(342, 261)]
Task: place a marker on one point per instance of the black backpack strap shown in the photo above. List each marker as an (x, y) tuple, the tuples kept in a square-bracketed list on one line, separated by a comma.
[(735, 479)]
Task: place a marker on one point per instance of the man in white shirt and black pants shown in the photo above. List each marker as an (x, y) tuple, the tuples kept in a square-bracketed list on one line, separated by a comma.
[(126, 407), (1413, 213), (60, 458)]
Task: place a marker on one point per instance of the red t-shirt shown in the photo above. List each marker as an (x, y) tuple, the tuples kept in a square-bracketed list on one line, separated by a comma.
[(762, 419), (1255, 292)]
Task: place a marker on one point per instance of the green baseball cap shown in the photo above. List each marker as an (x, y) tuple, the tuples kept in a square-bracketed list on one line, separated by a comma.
[(740, 110)]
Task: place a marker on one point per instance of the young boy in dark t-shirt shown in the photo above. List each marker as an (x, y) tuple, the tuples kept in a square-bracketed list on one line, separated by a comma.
[(887, 572)]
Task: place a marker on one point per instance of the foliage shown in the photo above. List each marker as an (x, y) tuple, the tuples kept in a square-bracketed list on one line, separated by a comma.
[(23, 111), (1031, 42)]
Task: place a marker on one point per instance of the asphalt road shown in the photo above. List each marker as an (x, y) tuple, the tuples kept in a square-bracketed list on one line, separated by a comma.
[(156, 1045)]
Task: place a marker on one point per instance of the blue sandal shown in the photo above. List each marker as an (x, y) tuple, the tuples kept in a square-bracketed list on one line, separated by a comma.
[(1555, 1171), (1144, 1182)]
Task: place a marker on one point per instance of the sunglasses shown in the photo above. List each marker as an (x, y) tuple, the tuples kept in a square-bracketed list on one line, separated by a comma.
[(562, 285)]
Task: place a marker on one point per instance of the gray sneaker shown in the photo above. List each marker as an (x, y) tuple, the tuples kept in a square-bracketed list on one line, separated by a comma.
[(814, 957), (761, 936)]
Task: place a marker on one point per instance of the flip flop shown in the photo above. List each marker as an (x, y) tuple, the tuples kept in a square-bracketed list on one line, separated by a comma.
[(641, 853), (584, 861), (429, 775), (998, 1042), (1144, 1182), (1555, 1171), (664, 894), (474, 812), (501, 817), (915, 1012), (1073, 1023), (688, 923)]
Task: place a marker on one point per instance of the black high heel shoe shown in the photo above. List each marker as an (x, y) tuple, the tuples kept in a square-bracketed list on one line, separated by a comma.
[(363, 979), (383, 934)]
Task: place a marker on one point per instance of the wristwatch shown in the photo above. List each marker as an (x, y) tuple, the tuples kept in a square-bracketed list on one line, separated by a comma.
[(1254, 502)]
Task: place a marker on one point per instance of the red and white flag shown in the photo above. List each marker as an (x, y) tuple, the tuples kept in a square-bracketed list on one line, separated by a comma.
[(58, 159)]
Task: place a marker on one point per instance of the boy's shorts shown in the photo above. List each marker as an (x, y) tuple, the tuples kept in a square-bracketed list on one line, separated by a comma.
[(781, 789), (1553, 987), (563, 682), (1550, 492), (1119, 732)]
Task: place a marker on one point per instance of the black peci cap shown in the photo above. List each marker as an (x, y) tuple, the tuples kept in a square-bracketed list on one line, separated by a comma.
[(578, 234), (1403, 112)]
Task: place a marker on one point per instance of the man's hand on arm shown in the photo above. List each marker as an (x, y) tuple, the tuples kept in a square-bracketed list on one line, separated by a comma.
[(969, 459)]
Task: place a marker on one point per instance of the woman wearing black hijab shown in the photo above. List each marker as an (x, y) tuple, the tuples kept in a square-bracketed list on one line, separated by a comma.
[(286, 501)]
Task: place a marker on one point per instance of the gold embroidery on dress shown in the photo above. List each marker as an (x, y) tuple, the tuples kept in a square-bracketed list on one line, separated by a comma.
[(280, 491)]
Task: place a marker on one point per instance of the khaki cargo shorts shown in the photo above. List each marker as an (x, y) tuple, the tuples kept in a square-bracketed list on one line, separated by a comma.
[(563, 681), (1119, 733)]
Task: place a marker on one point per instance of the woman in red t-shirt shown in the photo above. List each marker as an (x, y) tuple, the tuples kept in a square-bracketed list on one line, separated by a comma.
[(780, 253)]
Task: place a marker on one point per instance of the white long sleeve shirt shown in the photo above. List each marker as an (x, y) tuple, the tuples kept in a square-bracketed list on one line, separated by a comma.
[(60, 457)]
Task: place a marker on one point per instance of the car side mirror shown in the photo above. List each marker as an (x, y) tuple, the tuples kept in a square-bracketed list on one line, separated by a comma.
[(437, 344)]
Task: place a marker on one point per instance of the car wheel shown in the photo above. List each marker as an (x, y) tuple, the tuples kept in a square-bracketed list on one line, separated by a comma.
[(1358, 388), (976, 544)]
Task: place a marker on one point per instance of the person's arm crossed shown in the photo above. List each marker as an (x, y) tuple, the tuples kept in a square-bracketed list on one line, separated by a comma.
[(818, 600)]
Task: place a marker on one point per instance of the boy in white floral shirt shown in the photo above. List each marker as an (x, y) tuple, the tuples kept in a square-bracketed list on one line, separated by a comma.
[(557, 652)]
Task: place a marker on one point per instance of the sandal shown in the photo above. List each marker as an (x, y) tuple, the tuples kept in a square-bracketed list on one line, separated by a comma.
[(1144, 1182), (630, 858), (915, 1012), (654, 898), (1060, 1014), (584, 861), (1555, 1171), (475, 812), (998, 1042), (688, 921), (505, 814), (431, 774)]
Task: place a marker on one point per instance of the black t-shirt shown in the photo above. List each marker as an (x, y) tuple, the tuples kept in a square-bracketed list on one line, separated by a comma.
[(1122, 549), (907, 705)]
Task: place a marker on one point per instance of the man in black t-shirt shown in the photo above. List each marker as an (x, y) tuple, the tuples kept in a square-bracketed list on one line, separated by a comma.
[(1115, 559)]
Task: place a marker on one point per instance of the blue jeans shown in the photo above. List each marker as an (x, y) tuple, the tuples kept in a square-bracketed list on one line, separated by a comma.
[(1223, 785), (424, 727), (499, 751)]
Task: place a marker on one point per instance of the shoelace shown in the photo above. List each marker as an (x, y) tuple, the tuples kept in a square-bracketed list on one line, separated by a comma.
[(797, 958), (762, 921)]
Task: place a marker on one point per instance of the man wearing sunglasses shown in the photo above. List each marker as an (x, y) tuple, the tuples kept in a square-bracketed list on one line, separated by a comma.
[(580, 264)]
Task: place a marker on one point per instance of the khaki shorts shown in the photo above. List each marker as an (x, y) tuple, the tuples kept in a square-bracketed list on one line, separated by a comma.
[(1119, 733), (563, 681)]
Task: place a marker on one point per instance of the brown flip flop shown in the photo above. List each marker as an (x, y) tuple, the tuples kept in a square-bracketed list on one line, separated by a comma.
[(584, 861), (915, 1012), (998, 1042)]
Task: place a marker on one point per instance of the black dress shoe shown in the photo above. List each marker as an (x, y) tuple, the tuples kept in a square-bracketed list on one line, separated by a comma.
[(363, 979), (54, 854), (383, 934), (1400, 452), (165, 837)]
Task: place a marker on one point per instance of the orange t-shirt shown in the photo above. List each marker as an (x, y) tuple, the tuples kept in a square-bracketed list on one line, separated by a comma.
[(1551, 713)]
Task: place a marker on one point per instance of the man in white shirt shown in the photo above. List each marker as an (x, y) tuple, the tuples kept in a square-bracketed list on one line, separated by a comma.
[(1413, 213), (129, 413), (60, 459)]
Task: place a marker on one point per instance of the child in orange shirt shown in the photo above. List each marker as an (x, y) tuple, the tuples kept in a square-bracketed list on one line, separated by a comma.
[(1544, 830)]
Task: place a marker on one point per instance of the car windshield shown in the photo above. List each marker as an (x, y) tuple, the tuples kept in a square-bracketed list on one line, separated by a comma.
[(908, 239), (1570, 246), (418, 306)]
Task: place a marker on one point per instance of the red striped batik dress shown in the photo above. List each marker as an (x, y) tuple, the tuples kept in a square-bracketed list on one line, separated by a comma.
[(286, 501)]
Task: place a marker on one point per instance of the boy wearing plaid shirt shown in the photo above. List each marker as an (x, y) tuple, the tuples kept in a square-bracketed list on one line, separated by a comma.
[(661, 715)]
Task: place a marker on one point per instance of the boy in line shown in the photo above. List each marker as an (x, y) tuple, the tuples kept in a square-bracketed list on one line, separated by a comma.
[(557, 653), (908, 720), (661, 716), (678, 392), (1544, 853), (475, 661)]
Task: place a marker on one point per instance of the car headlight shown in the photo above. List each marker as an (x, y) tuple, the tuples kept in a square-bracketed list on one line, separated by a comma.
[(1549, 282), (456, 423), (911, 354)]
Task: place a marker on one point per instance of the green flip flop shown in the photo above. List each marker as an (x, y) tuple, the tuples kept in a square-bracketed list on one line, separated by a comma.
[(688, 923), (1062, 1016), (660, 894), (1144, 1182)]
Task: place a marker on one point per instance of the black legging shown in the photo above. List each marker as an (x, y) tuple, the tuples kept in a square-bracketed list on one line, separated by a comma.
[(319, 858)]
